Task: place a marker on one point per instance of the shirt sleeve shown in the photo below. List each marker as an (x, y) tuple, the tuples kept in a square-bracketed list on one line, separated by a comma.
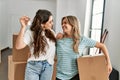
[(89, 42), (28, 37)]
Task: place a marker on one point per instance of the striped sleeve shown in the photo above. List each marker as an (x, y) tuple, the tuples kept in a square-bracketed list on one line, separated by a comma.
[(89, 42)]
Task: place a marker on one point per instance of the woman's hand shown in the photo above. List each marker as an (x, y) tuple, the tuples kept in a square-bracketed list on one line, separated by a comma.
[(59, 36), (24, 21), (19, 41), (109, 66)]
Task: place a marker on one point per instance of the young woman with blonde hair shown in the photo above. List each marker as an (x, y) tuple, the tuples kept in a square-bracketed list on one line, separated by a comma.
[(70, 46)]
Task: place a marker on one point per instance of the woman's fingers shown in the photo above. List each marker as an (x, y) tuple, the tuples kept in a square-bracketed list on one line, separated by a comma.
[(24, 20)]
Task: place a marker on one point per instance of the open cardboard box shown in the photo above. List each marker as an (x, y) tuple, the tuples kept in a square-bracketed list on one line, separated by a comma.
[(92, 67), (16, 70), (19, 55)]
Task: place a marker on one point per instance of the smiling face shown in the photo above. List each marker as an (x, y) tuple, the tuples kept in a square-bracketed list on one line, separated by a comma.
[(66, 26)]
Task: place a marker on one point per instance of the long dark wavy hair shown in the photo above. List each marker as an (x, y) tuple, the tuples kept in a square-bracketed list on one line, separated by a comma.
[(40, 42)]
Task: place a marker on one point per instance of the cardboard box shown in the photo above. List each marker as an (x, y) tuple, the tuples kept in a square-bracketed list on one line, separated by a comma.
[(16, 70), (19, 55), (92, 67)]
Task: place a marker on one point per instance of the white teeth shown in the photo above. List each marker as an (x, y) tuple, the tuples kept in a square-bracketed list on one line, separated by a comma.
[(29, 23)]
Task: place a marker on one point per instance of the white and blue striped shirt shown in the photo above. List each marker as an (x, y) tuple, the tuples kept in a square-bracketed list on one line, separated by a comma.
[(67, 58)]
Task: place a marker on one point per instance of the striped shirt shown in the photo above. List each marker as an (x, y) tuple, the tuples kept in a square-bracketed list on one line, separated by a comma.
[(67, 58)]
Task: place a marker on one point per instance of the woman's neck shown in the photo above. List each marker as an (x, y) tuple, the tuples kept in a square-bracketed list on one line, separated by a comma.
[(67, 35)]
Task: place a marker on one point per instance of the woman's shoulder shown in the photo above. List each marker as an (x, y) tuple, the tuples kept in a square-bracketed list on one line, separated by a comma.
[(83, 37), (29, 32)]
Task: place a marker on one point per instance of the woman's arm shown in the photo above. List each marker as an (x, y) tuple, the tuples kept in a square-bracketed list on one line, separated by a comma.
[(105, 52), (19, 41)]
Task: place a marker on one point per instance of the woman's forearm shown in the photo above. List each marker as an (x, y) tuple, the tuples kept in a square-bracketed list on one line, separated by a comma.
[(19, 41), (105, 51)]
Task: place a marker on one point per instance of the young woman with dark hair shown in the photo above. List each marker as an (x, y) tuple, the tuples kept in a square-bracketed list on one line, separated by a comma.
[(41, 40)]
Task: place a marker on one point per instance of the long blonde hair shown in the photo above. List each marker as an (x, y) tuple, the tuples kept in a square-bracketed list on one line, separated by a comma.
[(73, 21)]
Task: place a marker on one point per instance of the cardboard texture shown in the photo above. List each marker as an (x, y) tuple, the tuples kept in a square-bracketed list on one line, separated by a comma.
[(16, 70), (92, 67), (19, 55)]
